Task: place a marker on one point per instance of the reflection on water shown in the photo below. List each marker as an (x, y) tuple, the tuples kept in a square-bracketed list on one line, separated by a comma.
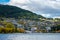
[(41, 36)]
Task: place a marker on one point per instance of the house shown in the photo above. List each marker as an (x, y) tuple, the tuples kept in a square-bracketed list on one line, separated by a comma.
[(33, 29), (20, 26), (48, 29)]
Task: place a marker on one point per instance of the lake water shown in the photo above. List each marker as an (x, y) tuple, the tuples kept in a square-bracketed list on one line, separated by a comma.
[(34, 36)]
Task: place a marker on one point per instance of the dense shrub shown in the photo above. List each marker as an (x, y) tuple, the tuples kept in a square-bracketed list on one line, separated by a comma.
[(21, 30)]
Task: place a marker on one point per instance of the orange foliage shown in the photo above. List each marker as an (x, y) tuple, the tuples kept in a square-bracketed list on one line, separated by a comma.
[(21, 30)]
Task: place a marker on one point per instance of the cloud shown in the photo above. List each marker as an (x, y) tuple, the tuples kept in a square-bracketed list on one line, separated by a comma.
[(18, 2), (57, 17), (51, 8), (46, 15)]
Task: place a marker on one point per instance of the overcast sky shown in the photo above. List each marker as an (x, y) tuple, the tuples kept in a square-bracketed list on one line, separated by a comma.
[(46, 8)]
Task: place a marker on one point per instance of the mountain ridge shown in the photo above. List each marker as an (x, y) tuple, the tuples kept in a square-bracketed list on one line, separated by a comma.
[(16, 12)]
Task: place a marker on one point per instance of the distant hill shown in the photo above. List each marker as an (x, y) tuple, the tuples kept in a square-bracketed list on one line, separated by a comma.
[(15, 12)]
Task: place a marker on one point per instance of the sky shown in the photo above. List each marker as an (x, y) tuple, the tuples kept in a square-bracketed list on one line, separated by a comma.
[(46, 8)]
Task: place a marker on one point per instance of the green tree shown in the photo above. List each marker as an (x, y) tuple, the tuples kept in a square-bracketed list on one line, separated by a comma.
[(9, 28), (9, 25)]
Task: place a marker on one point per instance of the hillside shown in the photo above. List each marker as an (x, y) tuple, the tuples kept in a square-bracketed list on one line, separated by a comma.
[(15, 12)]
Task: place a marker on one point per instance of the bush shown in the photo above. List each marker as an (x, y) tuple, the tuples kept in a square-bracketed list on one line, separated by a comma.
[(21, 30)]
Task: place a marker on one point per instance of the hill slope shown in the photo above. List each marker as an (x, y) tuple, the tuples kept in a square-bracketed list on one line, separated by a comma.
[(15, 12)]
